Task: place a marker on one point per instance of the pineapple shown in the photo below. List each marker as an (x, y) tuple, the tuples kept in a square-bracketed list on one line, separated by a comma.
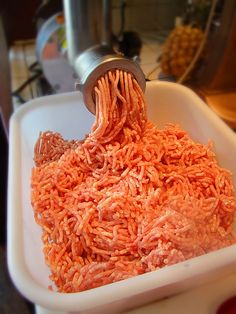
[(179, 49)]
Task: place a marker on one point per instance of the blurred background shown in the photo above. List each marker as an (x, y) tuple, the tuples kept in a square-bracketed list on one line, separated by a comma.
[(191, 42)]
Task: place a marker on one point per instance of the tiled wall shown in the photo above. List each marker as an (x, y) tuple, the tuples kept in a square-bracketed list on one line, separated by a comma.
[(148, 15)]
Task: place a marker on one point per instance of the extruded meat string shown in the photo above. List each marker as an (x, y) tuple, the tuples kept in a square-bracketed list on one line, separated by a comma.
[(128, 199)]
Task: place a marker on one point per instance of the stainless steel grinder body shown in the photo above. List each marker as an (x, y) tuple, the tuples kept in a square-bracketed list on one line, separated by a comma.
[(90, 52)]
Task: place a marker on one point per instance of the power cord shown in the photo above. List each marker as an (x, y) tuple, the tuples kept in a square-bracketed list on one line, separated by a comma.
[(202, 44), (31, 79)]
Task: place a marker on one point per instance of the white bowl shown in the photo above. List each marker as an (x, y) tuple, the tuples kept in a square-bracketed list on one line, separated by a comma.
[(66, 114)]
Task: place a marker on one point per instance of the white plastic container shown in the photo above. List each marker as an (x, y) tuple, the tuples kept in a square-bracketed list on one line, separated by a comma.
[(66, 114)]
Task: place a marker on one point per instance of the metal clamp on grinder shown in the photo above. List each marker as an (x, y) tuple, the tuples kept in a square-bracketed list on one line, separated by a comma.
[(90, 52)]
